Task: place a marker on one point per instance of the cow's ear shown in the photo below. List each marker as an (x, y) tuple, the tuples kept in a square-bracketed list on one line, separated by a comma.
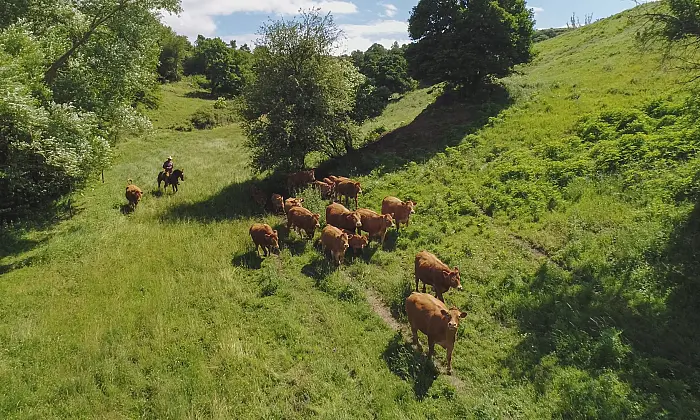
[(456, 269), (462, 314), (275, 232), (446, 273), (445, 313)]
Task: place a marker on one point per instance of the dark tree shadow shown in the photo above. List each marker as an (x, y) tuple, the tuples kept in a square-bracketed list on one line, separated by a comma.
[(232, 202), (296, 245), (410, 365), (442, 124), (392, 236), (319, 268), (200, 94), (588, 323), (249, 259)]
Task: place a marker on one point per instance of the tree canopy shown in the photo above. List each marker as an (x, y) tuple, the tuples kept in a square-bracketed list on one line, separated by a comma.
[(226, 67), (465, 42), (302, 97)]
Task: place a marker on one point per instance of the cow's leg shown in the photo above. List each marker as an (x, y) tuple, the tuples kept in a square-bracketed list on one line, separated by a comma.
[(449, 359), (431, 347), (423, 287), (438, 294), (383, 235), (414, 330), (356, 202), (417, 282)]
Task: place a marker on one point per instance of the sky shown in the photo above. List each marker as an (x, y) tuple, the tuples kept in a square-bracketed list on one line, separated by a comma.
[(364, 22)]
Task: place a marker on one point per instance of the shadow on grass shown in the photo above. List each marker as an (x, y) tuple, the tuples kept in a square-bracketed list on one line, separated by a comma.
[(595, 319), (442, 124), (410, 365), (200, 94), (249, 259)]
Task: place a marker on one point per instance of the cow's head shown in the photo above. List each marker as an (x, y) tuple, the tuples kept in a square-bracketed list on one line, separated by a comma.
[(452, 278), (316, 217), (355, 218), (344, 239), (358, 188), (273, 240), (452, 317), (411, 205), (357, 241), (277, 199), (388, 220), (312, 174)]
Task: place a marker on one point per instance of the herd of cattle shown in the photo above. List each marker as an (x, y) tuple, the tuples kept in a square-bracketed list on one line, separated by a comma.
[(426, 313)]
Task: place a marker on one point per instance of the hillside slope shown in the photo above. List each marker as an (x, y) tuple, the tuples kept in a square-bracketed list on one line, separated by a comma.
[(567, 197)]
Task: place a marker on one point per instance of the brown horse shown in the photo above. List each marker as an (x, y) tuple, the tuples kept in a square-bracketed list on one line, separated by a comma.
[(171, 179)]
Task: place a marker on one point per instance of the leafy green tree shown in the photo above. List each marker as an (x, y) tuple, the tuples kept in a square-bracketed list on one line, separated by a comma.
[(465, 42), (174, 50), (385, 68), (226, 67), (302, 97)]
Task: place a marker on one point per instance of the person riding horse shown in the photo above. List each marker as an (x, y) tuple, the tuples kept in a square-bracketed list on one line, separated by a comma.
[(168, 166)]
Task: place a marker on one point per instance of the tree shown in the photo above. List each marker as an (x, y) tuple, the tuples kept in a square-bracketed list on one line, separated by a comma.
[(101, 14), (302, 96), (174, 51), (385, 68), (226, 67), (466, 42)]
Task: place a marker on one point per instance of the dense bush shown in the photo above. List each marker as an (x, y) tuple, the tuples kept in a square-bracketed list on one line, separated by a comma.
[(222, 112), (45, 149)]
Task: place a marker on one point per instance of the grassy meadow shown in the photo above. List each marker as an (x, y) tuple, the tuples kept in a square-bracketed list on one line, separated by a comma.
[(566, 195)]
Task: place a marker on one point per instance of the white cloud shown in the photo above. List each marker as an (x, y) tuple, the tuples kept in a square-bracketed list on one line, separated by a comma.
[(385, 32), (537, 10), (389, 10), (198, 15)]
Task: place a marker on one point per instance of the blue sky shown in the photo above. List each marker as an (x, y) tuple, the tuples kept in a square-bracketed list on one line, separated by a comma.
[(364, 22)]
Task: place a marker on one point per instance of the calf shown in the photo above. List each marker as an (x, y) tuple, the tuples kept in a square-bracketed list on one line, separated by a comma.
[(374, 224), (292, 202), (336, 241), (264, 237), (277, 203), (325, 189), (434, 272), (300, 179), (356, 242), (349, 189), (133, 195), (340, 217), (399, 210), (432, 318), (300, 218)]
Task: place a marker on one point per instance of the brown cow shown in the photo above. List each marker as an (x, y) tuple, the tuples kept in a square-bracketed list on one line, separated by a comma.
[(339, 216), (264, 237), (300, 218), (375, 224), (399, 210), (292, 202), (300, 179), (432, 318), (325, 189), (336, 179), (434, 272), (277, 203), (336, 241), (356, 242), (258, 196), (133, 195), (349, 189)]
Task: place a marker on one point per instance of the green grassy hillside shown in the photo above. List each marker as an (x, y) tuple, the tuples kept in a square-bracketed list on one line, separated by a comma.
[(567, 197)]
